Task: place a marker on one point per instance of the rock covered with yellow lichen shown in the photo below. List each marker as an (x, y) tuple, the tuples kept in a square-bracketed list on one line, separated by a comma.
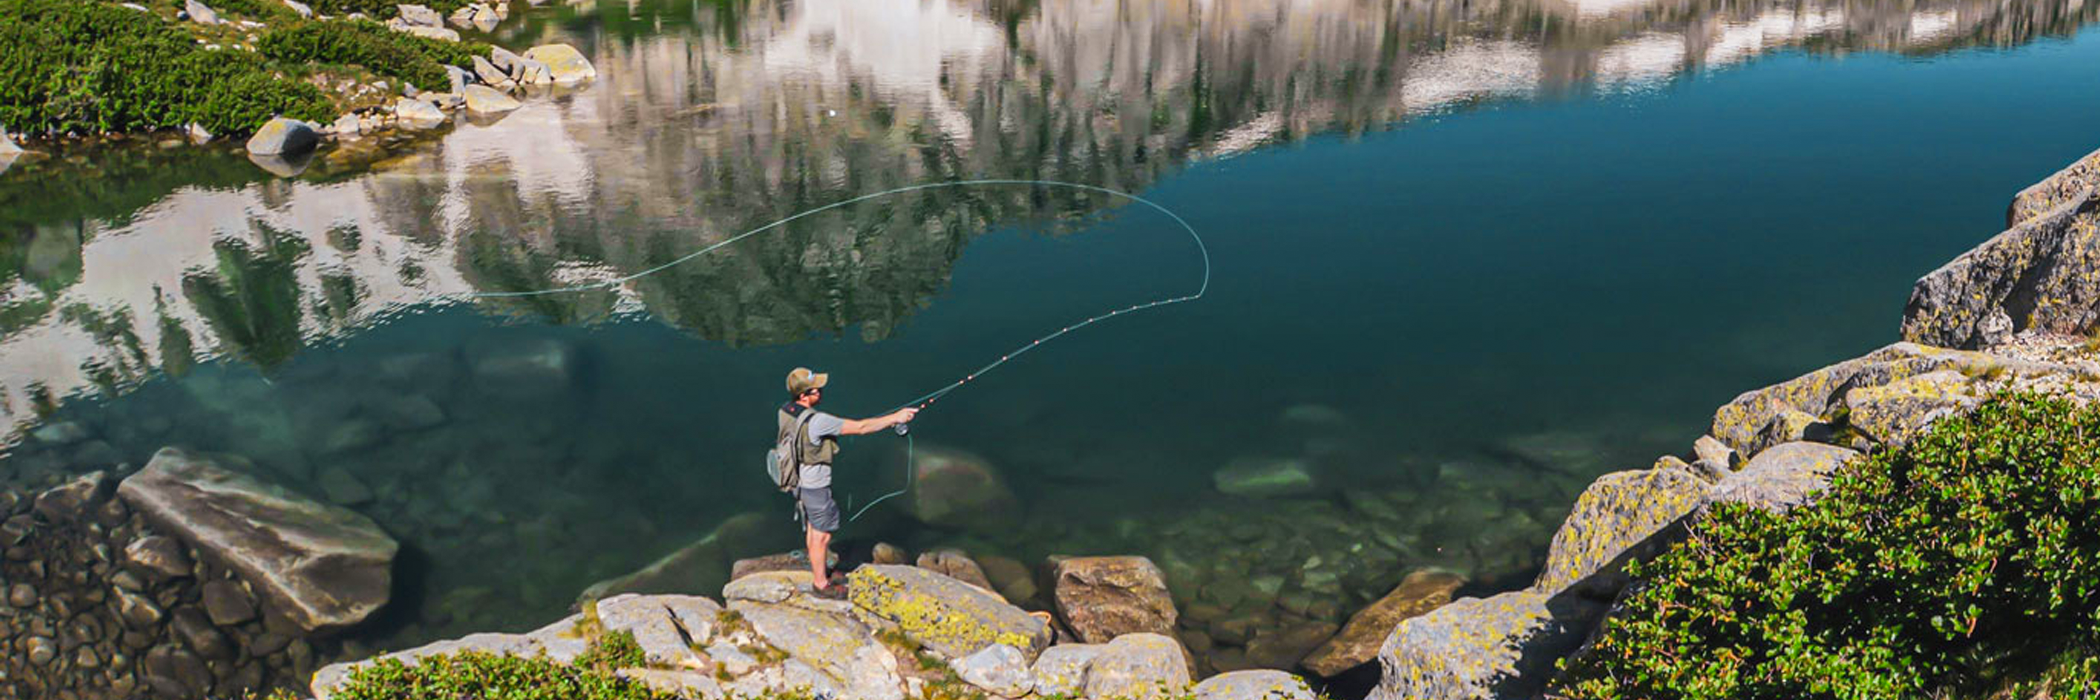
[(1502, 646), (1622, 515), (2041, 274), (948, 616)]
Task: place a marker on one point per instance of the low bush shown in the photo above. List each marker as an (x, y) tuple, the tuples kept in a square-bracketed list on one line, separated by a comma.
[(384, 9), (83, 67), (482, 675), (371, 45), (1961, 565)]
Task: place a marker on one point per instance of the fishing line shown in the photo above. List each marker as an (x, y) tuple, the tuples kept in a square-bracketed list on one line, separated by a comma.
[(927, 399)]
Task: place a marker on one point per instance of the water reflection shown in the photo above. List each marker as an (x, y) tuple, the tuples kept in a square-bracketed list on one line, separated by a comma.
[(710, 118)]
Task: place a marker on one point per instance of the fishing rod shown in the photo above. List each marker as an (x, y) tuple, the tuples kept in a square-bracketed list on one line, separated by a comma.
[(928, 399)]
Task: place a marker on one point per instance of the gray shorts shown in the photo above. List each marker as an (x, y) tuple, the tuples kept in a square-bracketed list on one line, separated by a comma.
[(818, 509)]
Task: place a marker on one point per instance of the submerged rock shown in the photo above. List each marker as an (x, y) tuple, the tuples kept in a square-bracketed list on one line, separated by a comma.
[(956, 564), (704, 564), (322, 566), (524, 370), (948, 616), (283, 137), (953, 488), (1474, 648), (1358, 641), (1266, 477), (1102, 598), (486, 101)]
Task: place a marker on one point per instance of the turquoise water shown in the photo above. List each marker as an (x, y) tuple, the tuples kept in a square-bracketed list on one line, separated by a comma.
[(1456, 294)]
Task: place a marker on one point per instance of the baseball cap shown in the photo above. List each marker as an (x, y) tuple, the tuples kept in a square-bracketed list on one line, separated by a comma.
[(804, 379)]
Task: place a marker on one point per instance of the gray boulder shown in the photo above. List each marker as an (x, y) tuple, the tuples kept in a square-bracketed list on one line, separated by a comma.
[(486, 101), (199, 12), (420, 16), (657, 627), (1483, 648), (953, 488), (2055, 190), (565, 65), (1061, 670), (1142, 666), (1742, 423), (490, 74), (835, 645), (998, 668), (322, 566), (1783, 477), (1899, 411), (284, 137), (1254, 685)]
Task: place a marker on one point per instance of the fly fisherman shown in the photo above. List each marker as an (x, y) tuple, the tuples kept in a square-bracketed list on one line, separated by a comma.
[(818, 512)]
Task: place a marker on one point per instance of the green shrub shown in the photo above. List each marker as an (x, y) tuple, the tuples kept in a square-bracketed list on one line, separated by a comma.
[(612, 650), (1951, 566), (84, 67), (369, 44), (384, 9), (481, 675)]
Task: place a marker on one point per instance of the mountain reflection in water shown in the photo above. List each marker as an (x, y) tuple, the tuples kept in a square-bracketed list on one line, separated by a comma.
[(706, 121)]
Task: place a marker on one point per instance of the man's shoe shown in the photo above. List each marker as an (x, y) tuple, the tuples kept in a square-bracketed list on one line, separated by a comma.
[(833, 592)]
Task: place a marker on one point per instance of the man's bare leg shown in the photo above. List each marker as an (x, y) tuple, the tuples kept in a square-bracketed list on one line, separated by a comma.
[(819, 549)]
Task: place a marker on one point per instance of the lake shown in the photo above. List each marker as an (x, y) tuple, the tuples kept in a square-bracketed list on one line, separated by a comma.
[(1462, 258)]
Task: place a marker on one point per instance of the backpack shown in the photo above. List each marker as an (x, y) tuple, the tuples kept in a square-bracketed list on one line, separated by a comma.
[(784, 461)]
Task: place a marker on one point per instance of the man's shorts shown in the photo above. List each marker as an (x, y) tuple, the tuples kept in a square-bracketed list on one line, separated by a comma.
[(819, 510)]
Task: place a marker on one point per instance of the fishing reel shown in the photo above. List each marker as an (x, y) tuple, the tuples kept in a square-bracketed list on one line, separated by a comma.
[(901, 428)]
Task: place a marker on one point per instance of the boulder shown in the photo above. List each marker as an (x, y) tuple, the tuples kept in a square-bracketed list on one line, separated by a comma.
[(490, 74), (1481, 648), (1141, 666), (1285, 647), (1061, 670), (531, 72), (1266, 477), (2054, 191), (998, 668), (438, 33), (299, 8), (417, 114), (664, 639), (1621, 516), (527, 369), (704, 564), (486, 101), (836, 646), (199, 12), (420, 16), (956, 564), (1711, 450), (565, 65), (1102, 598), (1254, 685), (2036, 275), (952, 488), (768, 586), (1358, 642), (952, 618), (505, 60), (1742, 423), (1009, 577), (322, 566), (1898, 411), (1783, 477), (284, 137), (70, 500)]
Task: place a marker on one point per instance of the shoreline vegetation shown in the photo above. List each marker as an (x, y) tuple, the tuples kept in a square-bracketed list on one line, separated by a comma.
[(289, 74)]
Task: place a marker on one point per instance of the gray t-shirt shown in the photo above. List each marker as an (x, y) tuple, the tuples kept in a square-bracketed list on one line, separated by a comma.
[(822, 425)]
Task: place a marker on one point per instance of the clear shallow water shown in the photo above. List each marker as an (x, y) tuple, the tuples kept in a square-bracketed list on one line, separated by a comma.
[(1512, 257)]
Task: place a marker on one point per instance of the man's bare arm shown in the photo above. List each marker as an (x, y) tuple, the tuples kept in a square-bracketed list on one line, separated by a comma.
[(870, 425)]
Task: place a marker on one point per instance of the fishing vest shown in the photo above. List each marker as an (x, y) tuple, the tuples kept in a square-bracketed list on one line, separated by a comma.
[(806, 453)]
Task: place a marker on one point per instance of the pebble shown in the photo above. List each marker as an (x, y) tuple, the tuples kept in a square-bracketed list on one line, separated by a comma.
[(21, 595)]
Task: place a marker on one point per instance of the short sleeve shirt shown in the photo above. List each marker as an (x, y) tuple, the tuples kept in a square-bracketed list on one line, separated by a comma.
[(823, 425)]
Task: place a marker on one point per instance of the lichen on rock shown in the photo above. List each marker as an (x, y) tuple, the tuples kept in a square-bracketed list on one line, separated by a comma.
[(953, 618)]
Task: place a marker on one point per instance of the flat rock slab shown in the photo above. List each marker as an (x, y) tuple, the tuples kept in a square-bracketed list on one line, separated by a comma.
[(1480, 648), (1142, 666), (1253, 685), (835, 645), (324, 567), (948, 616)]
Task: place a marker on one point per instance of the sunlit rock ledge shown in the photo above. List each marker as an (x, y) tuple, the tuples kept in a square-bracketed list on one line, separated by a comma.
[(2022, 304)]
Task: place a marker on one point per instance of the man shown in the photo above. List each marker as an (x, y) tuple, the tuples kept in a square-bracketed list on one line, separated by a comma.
[(820, 514)]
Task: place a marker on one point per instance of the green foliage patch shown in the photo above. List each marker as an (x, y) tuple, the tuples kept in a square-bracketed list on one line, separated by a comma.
[(369, 44), (384, 9), (1961, 564), (83, 67), (482, 675)]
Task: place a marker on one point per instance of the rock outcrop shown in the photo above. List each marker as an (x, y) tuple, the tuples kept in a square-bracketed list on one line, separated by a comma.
[(321, 566), (705, 563), (1102, 598), (1504, 646), (284, 137), (1621, 516), (1784, 477), (2042, 274), (564, 63)]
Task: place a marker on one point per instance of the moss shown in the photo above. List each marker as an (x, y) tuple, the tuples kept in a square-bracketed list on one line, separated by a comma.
[(611, 651)]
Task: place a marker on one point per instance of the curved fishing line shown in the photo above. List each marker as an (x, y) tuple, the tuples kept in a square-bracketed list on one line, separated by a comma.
[(927, 399)]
